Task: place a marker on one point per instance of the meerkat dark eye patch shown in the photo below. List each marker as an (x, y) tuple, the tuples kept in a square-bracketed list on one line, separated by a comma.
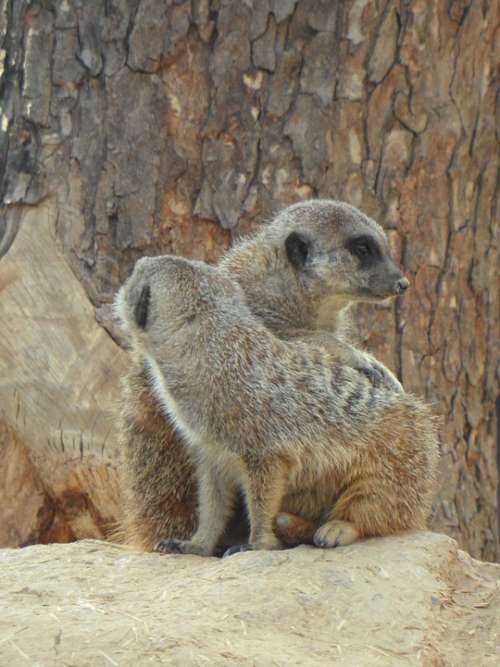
[(142, 307), (297, 250), (365, 248)]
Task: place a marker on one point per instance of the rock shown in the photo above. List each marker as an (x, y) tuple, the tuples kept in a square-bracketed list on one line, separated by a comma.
[(413, 599)]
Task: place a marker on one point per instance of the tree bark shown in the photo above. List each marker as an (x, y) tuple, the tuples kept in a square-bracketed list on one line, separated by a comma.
[(132, 127)]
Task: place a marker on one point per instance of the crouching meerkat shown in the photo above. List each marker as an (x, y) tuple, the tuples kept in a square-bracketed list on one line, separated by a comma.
[(284, 421), (300, 274)]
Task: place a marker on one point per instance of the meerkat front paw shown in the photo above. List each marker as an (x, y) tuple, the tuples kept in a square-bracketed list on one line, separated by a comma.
[(380, 376), (373, 374), (336, 534), (180, 547)]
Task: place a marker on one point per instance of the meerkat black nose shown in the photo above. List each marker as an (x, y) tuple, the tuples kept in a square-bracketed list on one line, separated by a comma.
[(403, 284)]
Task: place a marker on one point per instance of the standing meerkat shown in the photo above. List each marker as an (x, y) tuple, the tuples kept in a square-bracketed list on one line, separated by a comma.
[(284, 421), (300, 274)]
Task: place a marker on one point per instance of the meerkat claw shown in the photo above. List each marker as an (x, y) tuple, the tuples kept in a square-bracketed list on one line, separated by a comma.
[(172, 546), (168, 547), (237, 549)]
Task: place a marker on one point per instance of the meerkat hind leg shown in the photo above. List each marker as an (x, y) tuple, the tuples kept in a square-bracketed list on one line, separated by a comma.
[(367, 507)]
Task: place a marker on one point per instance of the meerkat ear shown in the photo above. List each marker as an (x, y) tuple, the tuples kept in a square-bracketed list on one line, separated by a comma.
[(297, 249), (142, 307)]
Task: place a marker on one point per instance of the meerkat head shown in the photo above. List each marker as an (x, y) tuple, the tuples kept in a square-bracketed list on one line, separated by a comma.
[(337, 251), (157, 300), (164, 295), (310, 262)]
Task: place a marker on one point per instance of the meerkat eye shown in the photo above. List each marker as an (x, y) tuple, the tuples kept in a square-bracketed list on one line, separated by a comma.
[(364, 248)]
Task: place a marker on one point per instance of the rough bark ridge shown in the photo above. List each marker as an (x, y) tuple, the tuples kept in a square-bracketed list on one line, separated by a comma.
[(149, 127)]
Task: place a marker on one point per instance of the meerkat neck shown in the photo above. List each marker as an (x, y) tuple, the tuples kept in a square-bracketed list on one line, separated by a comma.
[(334, 315), (275, 293)]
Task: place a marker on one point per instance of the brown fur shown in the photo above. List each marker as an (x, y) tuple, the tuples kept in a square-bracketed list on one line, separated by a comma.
[(149, 444)]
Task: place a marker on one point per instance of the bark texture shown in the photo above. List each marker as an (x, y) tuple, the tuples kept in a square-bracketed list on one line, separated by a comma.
[(133, 127)]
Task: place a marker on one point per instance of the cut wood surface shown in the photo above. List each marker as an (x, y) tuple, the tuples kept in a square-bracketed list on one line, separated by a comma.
[(59, 381), (136, 127)]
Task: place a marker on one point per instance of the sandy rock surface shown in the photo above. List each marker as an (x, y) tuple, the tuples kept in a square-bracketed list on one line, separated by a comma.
[(414, 599)]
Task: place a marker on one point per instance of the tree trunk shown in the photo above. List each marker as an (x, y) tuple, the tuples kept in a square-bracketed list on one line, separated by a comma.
[(134, 127)]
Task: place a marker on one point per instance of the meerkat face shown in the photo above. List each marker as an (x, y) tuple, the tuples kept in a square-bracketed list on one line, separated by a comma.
[(340, 253)]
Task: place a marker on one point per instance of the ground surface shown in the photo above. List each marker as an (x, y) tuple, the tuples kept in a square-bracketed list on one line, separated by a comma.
[(408, 600)]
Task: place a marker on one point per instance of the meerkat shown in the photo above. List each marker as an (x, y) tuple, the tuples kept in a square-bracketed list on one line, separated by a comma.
[(300, 274), (297, 431)]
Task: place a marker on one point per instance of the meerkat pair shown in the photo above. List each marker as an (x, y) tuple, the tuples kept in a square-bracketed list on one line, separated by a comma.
[(300, 274), (312, 428)]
